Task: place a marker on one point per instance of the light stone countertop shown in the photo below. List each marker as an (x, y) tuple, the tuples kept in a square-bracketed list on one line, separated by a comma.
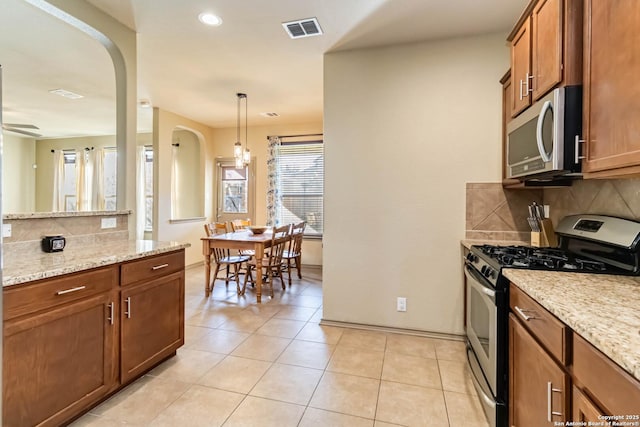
[(19, 268), (40, 215), (603, 309)]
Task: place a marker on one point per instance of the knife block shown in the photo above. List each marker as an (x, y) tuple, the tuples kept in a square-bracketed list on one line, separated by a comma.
[(545, 238)]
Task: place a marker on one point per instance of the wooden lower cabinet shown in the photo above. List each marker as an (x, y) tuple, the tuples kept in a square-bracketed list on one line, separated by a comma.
[(152, 322), (538, 385), (72, 340), (584, 409), (58, 362)]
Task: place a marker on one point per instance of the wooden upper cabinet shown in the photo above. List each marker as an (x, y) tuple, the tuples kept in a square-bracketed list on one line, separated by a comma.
[(611, 92), (546, 50), (521, 68), (546, 46)]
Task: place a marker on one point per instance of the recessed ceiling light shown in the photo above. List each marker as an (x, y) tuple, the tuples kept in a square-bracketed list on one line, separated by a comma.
[(210, 19), (270, 114), (66, 93)]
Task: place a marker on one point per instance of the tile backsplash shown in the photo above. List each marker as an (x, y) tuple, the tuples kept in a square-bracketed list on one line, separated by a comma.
[(494, 213), (79, 228), (615, 197)]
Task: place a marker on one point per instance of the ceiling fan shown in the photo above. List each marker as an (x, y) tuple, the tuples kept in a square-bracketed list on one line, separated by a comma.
[(19, 128)]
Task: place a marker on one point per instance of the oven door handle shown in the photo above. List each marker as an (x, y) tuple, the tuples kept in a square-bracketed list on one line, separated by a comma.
[(545, 156), (479, 280), (485, 397)]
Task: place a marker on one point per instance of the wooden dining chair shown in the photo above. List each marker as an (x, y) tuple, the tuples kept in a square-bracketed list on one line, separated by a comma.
[(272, 261), (215, 228), (293, 252), (240, 224), (223, 259)]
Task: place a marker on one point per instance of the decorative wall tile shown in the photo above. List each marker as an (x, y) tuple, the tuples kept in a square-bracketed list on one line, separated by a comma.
[(604, 197), (494, 213)]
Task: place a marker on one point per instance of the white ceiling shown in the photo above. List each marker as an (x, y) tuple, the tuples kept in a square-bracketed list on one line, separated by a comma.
[(194, 70)]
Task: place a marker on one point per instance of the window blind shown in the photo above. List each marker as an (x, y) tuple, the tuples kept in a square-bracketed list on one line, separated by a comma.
[(301, 170)]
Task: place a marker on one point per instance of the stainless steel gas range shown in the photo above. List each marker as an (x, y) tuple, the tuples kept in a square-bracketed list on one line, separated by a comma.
[(588, 243)]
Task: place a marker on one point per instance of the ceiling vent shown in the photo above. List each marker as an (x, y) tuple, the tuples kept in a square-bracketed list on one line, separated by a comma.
[(302, 28), (270, 114)]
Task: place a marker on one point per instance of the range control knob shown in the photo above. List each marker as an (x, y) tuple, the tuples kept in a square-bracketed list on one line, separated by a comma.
[(483, 270), (490, 272)]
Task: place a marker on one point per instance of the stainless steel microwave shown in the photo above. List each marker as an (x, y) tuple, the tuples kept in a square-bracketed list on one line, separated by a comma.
[(543, 142)]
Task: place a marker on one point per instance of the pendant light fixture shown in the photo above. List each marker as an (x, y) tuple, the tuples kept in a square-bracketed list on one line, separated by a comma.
[(242, 157)]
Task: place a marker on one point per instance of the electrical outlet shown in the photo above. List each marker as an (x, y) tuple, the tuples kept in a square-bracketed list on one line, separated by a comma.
[(6, 230), (108, 223), (401, 304)]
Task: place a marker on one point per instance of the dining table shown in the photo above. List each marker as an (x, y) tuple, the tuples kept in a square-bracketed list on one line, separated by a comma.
[(241, 240)]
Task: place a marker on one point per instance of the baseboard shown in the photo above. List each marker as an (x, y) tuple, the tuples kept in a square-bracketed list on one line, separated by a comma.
[(415, 332), (194, 265)]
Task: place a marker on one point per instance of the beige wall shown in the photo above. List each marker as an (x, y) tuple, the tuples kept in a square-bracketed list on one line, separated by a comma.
[(18, 174), (405, 128), (164, 123), (223, 147), (121, 43), (44, 160), (189, 178)]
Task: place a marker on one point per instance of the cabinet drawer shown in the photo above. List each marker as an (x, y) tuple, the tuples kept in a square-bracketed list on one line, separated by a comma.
[(24, 299), (616, 390), (151, 267), (551, 332)]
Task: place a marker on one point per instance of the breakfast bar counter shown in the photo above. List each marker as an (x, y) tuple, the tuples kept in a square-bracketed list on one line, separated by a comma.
[(22, 266), (603, 309)]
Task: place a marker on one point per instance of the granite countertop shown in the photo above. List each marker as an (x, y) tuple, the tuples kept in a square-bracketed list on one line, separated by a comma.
[(20, 268), (603, 309)]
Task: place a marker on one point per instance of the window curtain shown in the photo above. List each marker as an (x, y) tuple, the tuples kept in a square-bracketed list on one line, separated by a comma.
[(95, 185), (141, 164), (274, 201), (58, 181), (83, 196)]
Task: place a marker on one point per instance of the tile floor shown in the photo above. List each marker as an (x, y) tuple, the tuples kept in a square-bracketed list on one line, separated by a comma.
[(272, 364)]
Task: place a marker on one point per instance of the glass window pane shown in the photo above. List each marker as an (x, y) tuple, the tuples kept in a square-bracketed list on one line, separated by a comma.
[(301, 168), (235, 196), (231, 173)]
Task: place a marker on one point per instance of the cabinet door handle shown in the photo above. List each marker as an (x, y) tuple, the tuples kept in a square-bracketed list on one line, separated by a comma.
[(529, 88), (521, 84), (578, 141), (110, 318), (521, 312), (68, 291), (159, 267), (127, 311), (550, 390)]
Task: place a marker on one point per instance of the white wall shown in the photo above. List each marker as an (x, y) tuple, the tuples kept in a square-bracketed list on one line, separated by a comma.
[(18, 174), (223, 147), (405, 127)]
